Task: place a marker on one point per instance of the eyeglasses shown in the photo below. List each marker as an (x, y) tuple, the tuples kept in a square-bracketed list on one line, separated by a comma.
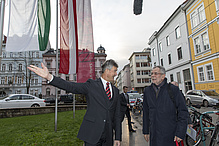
[(155, 73)]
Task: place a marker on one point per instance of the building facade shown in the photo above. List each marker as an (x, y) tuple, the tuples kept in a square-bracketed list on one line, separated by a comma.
[(49, 59), (203, 33), (140, 70), (123, 78), (15, 78), (170, 49)]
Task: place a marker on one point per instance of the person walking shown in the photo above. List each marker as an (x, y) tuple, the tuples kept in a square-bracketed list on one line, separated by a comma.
[(103, 105), (125, 108), (163, 124)]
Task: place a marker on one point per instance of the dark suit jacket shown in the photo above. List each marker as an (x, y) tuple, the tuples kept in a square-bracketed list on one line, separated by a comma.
[(99, 109), (123, 102)]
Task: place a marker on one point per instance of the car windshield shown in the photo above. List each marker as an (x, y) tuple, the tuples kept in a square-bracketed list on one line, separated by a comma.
[(211, 93)]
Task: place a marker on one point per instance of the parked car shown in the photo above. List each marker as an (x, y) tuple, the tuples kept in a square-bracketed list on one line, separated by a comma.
[(50, 100), (68, 98), (133, 97), (202, 97), (21, 100)]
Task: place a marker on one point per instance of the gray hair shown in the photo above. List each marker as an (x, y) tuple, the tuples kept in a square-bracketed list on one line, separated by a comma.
[(162, 69), (109, 65)]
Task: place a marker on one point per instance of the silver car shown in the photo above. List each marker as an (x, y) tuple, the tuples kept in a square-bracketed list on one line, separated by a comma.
[(202, 97), (21, 100)]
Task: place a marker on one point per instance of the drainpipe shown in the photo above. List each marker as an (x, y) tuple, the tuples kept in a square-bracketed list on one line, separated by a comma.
[(190, 54)]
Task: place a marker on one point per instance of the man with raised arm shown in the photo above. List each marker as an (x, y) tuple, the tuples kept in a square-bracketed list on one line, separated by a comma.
[(164, 120), (103, 105)]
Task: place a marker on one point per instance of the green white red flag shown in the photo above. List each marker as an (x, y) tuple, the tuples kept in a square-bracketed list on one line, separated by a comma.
[(29, 25)]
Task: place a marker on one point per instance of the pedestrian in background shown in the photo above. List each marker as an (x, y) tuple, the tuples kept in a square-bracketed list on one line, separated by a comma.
[(162, 125), (103, 104), (125, 108)]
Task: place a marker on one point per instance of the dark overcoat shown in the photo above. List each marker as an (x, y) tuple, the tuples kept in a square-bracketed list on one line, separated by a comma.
[(159, 115), (100, 110)]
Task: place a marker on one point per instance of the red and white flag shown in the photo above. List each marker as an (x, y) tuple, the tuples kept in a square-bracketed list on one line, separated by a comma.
[(76, 44), (68, 37)]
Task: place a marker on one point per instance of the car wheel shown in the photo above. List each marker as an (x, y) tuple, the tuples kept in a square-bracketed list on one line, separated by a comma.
[(205, 103), (188, 102), (35, 105)]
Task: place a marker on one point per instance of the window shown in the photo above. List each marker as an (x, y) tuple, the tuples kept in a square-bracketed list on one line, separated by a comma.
[(171, 78), (161, 61), (20, 54), (178, 77), (205, 41), (146, 72), (11, 54), (169, 59), (144, 64), (194, 19), (201, 43), (201, 14), (4, 55), (179, 52), (209, 71), (160, 47), (138, 80), (154, 63), (3, 67), (36, 81), (153, 51), (168, 40), (20, 67), (143, 57), (197, 45), (10, 67), (47, 91), (10, 80), (67, 77), (138, 72), (137, 64), (145, 80), (2, 80), (19, 80), (177, 32), (48, 65), (137, 57), (201, 74), (198, 16), (37, 54)]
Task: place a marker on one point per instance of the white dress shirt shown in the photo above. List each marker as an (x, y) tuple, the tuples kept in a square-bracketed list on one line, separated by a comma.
[(104, 85)]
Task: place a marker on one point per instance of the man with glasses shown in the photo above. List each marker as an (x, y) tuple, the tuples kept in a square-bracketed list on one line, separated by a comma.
[(164, 122)]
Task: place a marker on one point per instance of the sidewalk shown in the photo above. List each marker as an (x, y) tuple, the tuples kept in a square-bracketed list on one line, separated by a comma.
[(132, 138)]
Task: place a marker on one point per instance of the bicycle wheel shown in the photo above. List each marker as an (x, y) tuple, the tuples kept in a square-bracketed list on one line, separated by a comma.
[(192, 142), (214, 136)]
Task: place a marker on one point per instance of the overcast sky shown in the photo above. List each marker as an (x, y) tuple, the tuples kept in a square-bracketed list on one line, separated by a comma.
[(121, 32), (118, 30)]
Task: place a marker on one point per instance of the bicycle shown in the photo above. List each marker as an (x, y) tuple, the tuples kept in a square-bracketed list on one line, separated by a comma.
[(215, 128), (206, 120)]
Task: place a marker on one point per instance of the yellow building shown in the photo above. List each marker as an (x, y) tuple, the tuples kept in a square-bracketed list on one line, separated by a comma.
[(203, 29)]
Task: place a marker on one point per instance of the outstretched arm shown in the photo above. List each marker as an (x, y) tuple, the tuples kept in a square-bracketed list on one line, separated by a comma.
[(43, 72)]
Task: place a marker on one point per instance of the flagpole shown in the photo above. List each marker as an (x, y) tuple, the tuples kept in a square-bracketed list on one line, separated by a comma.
[(57, 54), (2, 24)]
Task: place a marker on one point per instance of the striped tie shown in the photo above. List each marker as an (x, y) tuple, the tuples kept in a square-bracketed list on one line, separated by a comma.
[(108, 93)]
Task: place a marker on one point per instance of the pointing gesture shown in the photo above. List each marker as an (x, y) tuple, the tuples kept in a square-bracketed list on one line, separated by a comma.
[(43, 72)]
